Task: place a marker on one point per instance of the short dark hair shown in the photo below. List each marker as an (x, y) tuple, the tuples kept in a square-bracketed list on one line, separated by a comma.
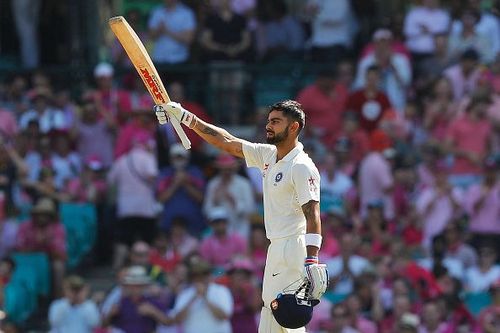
[(291, 110), (373, 68)]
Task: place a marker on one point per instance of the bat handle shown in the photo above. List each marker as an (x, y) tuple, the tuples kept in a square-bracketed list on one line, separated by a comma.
[(180, 132)]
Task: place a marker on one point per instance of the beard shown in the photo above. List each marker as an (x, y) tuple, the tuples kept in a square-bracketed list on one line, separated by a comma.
[(277, 137)]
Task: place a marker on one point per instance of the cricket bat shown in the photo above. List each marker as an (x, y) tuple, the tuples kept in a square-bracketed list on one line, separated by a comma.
[(145, 68)]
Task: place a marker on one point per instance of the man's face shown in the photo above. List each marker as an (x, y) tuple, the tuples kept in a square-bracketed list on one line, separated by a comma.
[(276, 128)]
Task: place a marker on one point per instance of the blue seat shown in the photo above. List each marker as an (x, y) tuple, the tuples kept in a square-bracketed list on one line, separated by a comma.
[(19, 301), (80, 222), (476, 302), (34, 271)]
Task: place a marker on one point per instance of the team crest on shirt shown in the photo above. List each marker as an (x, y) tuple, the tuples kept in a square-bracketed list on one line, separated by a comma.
[(279, 177), (312, 184), (264, 170)]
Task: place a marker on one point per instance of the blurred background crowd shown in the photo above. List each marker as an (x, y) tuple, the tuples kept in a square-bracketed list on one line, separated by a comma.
[(403, 120)]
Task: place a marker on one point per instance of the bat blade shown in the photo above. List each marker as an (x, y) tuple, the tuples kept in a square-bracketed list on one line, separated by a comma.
[(142, 62)]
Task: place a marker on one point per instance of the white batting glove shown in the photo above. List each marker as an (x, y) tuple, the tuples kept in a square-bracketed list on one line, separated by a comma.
[(161, 114), (317, 275), (173, 109)]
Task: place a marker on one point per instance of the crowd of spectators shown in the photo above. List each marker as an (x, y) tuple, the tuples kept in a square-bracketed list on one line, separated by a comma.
[(404, 128)]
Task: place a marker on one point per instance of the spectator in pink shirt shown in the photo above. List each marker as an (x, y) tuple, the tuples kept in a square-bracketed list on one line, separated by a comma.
[(324, 103), (44, 233), (8, 124), (468, 139), (376, 181), (437, 204), (464, 75), (114, 100), (432, 321), (141, 123), (482, 204), (221, 246)]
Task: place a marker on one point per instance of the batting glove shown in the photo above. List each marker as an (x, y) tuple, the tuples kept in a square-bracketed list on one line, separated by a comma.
[(173, 109), (161, 114), (317, 275)]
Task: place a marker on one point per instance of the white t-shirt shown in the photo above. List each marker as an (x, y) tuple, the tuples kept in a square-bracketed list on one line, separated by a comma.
[(434, 20), (476, 281), (288, 184), (199, 317), (357, 265)]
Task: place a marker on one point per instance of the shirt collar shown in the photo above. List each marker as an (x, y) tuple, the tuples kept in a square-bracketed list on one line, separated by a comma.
[(294, 152)]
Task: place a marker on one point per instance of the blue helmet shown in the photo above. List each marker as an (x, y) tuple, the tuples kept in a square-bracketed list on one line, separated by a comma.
[(293, 309)]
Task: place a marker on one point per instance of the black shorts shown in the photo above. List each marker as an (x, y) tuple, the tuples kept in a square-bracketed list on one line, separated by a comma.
[(136, 228)]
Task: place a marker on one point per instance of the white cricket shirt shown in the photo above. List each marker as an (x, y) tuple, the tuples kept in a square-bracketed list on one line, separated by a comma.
[(287, 185)]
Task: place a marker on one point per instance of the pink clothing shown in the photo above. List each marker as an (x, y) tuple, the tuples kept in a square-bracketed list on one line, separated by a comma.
[(442, 328), (126, 137), (50, 239), (324, 111), (375, 177), (8, 124), (364, 325), (117, 102), (461, 85), (470, 136), (486, 218), (82, 192), (134, 174), (219, 251), (436, 210)]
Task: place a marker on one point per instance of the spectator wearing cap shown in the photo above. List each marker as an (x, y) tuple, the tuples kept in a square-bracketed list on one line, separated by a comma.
[(233, 192), (465, 75), (376, 180), (334, 26), (409, 323), (172, 27), (136, 311), (95, 131), (437, 204), (489, 318), (468, 140), (44, 233), (203, 306), (222, 245), (395, 70), (42, 111), (369, 103), (75, 312), (88, 187), (421, 24), (247, 299), (116, 102), (180, 188), (324, 103), (134, 175), (141, 123)]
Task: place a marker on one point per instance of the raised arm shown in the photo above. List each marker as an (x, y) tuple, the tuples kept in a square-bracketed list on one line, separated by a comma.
[(216, 136)]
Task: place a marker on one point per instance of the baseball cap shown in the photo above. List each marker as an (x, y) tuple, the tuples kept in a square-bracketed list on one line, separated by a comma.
[(103, 69), (75, 282), (94, 163)]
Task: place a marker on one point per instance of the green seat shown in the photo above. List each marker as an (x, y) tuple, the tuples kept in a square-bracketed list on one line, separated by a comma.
[(80, 222)]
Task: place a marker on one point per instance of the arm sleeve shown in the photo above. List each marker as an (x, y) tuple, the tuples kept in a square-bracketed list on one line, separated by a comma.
[(307, 182), (255, 153), (90, 313), (224, 300)]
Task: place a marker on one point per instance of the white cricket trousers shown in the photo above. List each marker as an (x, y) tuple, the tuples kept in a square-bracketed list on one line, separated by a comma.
[(284, 265)]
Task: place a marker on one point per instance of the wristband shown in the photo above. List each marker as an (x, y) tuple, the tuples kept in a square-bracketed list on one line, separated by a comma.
[(188, 118), (313, 240), (311, 260)]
